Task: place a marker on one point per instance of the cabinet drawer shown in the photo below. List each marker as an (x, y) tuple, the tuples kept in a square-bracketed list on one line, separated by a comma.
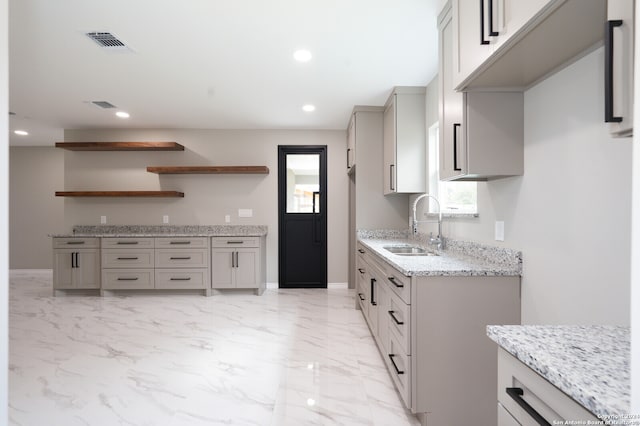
[(399, 365), (168, 258), (235, 242), (112, 258), (505, 418), (400, 320), (127, 279), (127, 243), (400, 284), (76, 242), (175, 242), (550, 402), (182, 278)]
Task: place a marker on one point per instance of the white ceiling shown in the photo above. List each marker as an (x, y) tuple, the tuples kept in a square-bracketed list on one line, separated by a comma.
[(211, 63)]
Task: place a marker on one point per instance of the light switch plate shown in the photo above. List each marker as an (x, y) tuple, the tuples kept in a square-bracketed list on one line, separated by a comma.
[(103, 220), (227, 218), (499, 230), (165, 218), (245, 212)]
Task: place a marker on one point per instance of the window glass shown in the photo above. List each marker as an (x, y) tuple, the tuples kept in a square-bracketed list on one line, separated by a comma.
[(455, 197), (303, 183)]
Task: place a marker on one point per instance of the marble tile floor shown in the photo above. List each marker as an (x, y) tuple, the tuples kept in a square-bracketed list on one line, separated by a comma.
[(289, 357)]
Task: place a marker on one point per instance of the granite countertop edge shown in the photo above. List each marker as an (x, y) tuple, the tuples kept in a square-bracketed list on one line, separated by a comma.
[(445, 264), (572, 358), (129, 231)]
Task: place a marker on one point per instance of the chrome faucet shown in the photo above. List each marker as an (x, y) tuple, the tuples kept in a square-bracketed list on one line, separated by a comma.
[(437, 240)]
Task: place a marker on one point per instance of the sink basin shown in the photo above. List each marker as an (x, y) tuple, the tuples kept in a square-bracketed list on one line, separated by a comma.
[(407, 250)]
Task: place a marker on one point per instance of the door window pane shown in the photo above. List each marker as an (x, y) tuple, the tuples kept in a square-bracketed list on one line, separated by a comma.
[(303, 183)]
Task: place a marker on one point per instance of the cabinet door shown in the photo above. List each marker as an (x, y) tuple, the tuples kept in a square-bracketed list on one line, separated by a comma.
[(513, 15), (451, 140), (619, 89), (383, 315), (63, 262), (222, 261), (247, 268), (504, 418), (87, 271), (389, 150), (351, 143), (471, 40)]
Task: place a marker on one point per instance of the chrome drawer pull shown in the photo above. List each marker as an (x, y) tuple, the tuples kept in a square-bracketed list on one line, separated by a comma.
[(180, 279), (75, 242), (127, 243), (235, 242), (398, 371), (361, 270), (393, 281), (361, 251), (128, 279), (360, 296), (180, 258), (179, 242), (516, 394), (392, 314), (127, 258)]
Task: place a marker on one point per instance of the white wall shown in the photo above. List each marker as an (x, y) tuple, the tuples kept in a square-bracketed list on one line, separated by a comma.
[(635, 241), (570, 213), (4, 208), (35, 174), (208, 198)]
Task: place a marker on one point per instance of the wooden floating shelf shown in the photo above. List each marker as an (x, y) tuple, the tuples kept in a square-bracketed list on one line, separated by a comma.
[(119, 194), (120, 146), (186, 170)]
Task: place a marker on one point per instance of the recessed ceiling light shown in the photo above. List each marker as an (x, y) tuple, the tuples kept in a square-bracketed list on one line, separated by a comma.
[(302, 55), (21, 132), (309, 108), (122, 114)]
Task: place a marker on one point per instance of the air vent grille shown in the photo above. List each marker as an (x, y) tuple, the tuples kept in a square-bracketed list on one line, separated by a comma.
[(106, 40), (103, 104)]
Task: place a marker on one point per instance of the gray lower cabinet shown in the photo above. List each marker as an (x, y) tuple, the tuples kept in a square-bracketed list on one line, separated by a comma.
[(182, 263), (76, 263), (168, 263), (128, 263), (431, 333), (521, 391), (238, 263)]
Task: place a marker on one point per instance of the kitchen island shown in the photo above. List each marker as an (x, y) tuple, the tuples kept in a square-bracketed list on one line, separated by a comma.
[(139, 257)]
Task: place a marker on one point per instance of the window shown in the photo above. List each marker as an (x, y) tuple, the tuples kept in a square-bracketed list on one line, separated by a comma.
[(455, 197)]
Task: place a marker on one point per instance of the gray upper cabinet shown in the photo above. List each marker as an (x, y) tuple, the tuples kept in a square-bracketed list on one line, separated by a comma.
[(481, 134), (404, 134), (351, 143), (515, 43), (619, 67)]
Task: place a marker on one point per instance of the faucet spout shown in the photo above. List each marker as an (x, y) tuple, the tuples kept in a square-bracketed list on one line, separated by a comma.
[(438, 239)]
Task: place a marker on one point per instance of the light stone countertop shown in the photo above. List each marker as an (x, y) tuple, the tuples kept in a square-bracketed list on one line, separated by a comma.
[(122, 231), (591, 364), (448, 262)]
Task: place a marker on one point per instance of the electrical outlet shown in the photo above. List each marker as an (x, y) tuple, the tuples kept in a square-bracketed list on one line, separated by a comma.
[(227, 218), (245, 212), (499, 230), (103, 220), (165, 218)]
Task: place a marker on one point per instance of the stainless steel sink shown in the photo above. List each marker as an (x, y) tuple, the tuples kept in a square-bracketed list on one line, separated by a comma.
[(408, 250)]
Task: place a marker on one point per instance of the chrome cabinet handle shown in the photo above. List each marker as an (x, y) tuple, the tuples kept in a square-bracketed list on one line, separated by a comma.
[(127, 258), (180, 258), (127, 243), (179, 242), (180, 279), (128, 279)]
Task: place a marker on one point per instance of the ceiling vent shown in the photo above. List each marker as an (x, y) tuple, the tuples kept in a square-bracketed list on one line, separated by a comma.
[(103, 104), (107, 40)]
